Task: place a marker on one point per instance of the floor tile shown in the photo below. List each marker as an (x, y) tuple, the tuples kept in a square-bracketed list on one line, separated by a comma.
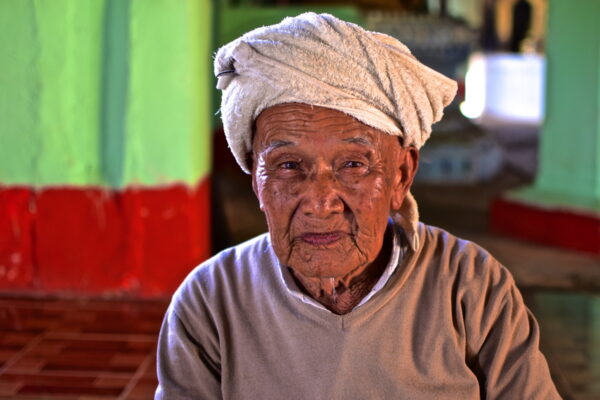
[(8, 388), (77, 349)]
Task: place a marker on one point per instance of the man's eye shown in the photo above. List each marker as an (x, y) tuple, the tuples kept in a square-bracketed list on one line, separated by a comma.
[(353, 164), (289, 165)]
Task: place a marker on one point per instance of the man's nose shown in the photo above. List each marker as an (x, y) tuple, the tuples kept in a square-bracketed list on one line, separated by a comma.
[(320, 198)]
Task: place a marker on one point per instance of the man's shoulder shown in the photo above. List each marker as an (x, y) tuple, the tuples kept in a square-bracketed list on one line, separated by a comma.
[(459, 259), (236, 259), (233, 270), (433, 238)]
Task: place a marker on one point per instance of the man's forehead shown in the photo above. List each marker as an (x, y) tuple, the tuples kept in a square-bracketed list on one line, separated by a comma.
[(299, 112), (284, 139), (285, 125)]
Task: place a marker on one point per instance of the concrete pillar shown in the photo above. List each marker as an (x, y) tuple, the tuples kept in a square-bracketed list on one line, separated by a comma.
[(105, 144), (562, 207)]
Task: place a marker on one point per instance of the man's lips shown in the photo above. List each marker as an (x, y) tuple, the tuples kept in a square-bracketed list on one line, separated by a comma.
[(322, 238)]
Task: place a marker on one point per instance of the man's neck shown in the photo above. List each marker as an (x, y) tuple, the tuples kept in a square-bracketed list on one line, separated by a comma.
[(341, 294)]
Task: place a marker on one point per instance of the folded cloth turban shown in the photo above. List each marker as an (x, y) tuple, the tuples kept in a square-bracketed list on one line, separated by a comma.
[(321, 60)]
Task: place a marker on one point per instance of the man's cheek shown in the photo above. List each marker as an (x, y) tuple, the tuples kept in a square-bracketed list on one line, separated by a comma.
[(279, 216), (370, 222), (281, 243), (280, 193), (370, 203)]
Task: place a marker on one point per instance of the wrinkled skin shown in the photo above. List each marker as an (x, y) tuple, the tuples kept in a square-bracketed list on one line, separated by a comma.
[(327, 184)]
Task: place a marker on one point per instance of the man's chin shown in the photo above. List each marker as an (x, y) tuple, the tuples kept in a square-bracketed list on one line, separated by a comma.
[(321, 266)]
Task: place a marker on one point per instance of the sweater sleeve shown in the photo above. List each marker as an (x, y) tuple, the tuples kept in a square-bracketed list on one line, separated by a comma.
[(504, 342), (187, 368)]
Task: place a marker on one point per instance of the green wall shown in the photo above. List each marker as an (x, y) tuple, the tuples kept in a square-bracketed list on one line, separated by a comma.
[(169, 118), (569, 172), (105, 92), (50, 57)]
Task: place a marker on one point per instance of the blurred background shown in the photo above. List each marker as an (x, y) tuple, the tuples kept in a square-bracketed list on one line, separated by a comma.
[(116, 180)]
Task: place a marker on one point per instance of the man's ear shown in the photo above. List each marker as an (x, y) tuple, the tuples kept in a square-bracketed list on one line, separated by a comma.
[(407, 164)]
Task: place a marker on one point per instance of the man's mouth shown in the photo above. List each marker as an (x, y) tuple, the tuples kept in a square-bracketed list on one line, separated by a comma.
[(321, 239)]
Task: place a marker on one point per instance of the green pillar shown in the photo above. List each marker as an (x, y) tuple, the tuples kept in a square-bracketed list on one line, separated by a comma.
[(168, 121), (562, 207), (569, 170), (105, 92), (50, 67)]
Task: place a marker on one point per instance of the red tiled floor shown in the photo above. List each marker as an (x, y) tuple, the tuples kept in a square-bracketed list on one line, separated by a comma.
[(78, 349), (13, 340), (54, 389)]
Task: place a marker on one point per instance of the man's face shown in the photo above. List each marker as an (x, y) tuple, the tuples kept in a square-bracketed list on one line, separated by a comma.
[(326, 184)]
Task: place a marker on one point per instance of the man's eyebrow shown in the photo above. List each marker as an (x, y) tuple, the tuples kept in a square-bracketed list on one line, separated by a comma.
[(359, 140), (277, 144)]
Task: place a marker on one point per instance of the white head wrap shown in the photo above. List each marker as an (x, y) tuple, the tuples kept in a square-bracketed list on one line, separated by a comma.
[(320, 60)]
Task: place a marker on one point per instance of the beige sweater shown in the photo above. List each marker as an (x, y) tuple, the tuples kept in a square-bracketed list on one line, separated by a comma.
[(448, 324)]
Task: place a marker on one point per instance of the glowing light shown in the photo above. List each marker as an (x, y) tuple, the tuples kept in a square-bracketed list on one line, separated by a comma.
[(474, 104), (505, 86)]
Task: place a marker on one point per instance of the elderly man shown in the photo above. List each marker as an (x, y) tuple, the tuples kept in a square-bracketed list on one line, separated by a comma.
[(349, 296)]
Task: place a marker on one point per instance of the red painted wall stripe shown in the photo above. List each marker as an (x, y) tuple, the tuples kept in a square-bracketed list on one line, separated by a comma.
[(554, 227), (138, 241), (16, 237)]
